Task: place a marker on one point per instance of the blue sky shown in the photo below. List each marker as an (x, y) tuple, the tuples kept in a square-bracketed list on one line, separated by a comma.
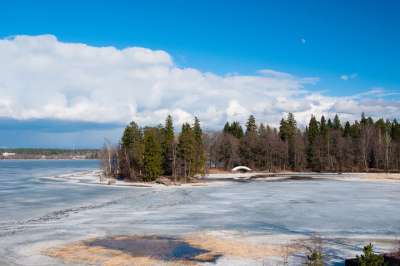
[(351, 47)]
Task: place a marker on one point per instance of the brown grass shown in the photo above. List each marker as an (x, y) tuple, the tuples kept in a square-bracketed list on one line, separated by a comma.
[(217, 171), (236, 248), (83, 252), (79, 252), (381, 176)]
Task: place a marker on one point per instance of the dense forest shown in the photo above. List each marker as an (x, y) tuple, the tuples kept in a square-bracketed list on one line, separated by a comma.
[(144, 154), (324, 145)]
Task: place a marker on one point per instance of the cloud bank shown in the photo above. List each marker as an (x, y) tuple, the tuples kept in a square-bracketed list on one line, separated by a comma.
[(44, 78)]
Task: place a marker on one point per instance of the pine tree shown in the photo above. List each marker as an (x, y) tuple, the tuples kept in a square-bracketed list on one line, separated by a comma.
[(152, 154), (369, 258), (283, 130), (323, 127), (287, 133), (251, 126), (324, 132), (336, 123), (131, 152), (347, 130), (199, 158), (186, 150), (249, 144), (168, 147), (329, 124), (292, 128), (236, 130), (312, 135), (227, 128)]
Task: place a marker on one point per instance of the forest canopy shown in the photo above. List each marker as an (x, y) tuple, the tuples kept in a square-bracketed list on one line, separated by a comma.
[(145, 153)]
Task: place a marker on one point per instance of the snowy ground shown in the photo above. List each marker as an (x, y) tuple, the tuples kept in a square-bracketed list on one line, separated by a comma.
[(96, 177)]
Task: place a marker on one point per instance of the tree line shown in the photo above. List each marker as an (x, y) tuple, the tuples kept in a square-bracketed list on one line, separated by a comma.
[(145, 153), (324, 145)]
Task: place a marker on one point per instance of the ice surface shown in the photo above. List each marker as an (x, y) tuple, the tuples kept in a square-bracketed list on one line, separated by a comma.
[(37, 213)]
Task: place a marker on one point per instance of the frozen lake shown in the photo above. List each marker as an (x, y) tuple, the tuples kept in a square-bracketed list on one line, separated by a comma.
[(37, 213)]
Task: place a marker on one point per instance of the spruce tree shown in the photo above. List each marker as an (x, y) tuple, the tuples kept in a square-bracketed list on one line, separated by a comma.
[(152, 154), (329, 124), (336, 123), (236, 130), (168, 146), (199, 157), (323, 126), (291, 131), (312, 135), (186, 150), (287, 132), (131, 152), (227, 128), (283, 130), (249, 144), (251, 126), (347, 130)]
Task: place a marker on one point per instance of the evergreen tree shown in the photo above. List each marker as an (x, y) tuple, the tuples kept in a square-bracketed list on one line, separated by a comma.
[(347, 130), (251, 126), (131, 152), (291, 131), (329, 123), (249, 144), (395, 130), (369, 258), (312, 149), (236, 130), (324, 131), (336, 123), (287, 132), (323, 127), (363, 119), (199, 158), (283, 130), (168, 146), (186, 150), (152, 154), (227, 128)]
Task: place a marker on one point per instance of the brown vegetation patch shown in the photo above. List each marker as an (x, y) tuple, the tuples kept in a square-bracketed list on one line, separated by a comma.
[(155, 250), (132, 250), (234, 247), (381, 176), (217, 171)]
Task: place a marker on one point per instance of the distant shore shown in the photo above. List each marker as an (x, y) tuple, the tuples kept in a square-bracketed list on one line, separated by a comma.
[(48, 154), (95, 177), (47, 159)]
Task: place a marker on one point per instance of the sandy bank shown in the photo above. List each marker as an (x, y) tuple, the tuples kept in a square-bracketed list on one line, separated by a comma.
[(218, 179), (199, 248), (287, 176), (95, 177)]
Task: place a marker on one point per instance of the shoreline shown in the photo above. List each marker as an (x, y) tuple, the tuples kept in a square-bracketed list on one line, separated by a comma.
[(95, 177), (48, 159)]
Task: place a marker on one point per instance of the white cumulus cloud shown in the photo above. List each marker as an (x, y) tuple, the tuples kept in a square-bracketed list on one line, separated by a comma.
[(42, 77)]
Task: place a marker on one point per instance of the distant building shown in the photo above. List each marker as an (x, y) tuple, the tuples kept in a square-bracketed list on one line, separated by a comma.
[(8, 154), (79, 157)]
